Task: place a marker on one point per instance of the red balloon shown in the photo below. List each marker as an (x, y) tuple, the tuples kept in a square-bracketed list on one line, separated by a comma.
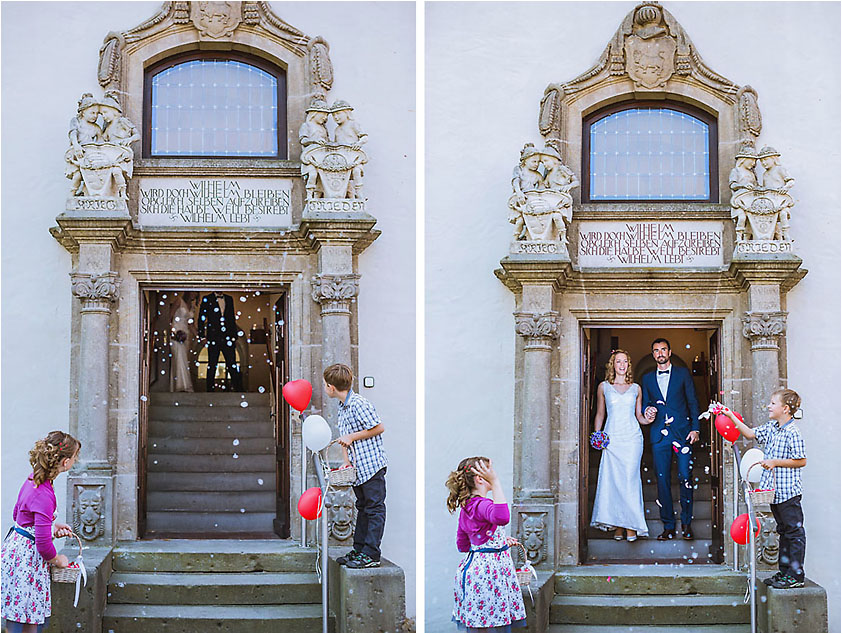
[(310, 503), (298, 394), (739, 529), (726, 428)]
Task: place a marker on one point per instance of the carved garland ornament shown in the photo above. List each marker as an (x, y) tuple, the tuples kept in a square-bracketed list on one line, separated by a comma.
[(764, 329), (335, 292), (539, 330)]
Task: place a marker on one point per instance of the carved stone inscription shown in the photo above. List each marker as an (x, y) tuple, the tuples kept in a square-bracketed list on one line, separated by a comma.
[(659, 244), (218, 202)]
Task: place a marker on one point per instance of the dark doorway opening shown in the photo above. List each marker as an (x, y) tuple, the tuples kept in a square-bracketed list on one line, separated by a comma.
[(213, 462), (697, 349)]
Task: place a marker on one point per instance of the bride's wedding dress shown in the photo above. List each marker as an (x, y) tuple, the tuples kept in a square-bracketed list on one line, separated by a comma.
[(619, 493), (180, 380)]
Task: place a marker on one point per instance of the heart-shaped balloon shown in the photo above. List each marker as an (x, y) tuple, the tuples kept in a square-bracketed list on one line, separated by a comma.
[(726, 428), (310, 503), (298, 394)]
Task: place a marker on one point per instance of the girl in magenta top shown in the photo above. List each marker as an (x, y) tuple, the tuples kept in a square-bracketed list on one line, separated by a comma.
[(487, 595), (28, 549)]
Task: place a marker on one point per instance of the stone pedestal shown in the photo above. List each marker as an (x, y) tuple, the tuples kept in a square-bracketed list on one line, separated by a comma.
[(793, 610), (367, 600)]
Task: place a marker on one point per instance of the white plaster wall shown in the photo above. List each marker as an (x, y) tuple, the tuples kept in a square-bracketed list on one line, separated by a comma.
[(49, 57), (487, 65)]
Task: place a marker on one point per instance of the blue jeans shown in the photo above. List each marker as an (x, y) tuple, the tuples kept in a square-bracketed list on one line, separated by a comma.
[(371, 514)]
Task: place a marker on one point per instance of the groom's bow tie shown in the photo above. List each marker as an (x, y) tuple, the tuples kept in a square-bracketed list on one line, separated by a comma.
[(663, 371)]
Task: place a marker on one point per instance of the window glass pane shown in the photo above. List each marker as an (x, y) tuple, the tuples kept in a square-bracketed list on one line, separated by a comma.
[(649, 154), (214, 108)]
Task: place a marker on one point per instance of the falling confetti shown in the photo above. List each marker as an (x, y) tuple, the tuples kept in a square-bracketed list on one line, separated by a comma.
[(143, 398), (236, 456), (244, 404), (669, 420), (261, 389), (685, 450), (665, 432), (236, 442), (260, 481)]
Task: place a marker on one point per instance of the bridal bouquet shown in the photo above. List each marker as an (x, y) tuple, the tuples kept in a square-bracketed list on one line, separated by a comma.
[(599, 440)]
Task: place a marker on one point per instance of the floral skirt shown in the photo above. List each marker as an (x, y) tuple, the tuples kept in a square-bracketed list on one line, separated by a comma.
[(26, 581), (491, 596)]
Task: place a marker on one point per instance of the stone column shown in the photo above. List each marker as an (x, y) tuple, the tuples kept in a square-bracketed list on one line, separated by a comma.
[(764, 330), (539, 331)]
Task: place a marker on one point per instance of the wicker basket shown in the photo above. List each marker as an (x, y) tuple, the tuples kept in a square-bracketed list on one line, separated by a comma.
[(525, 574), (343, 476), (67, 575), (762, 497)]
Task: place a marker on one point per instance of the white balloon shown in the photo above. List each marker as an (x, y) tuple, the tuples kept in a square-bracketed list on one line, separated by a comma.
[(752, 474), (316, 432)]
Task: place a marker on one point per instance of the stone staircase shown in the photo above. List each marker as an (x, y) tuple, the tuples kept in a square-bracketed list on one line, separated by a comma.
[(649, 598), (213, 586), (210, 465)]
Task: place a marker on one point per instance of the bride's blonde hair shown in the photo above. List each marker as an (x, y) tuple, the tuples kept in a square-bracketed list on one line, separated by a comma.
[(610, 373)]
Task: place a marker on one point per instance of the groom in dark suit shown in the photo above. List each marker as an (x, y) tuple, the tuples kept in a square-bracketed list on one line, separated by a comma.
[(217, 323), (670, 404)]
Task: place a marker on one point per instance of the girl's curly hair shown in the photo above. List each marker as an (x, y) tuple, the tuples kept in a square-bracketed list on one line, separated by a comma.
[(48, 453), (460, 483)]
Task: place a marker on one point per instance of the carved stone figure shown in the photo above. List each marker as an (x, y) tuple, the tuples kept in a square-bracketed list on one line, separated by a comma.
[(532, 536), (541, 205), (767, 544), (332, 168), (775, 180), (340, 513), (99, 160), (89, 522), (743, 183)]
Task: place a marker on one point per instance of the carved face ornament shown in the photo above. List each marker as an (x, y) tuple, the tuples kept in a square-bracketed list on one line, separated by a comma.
[(90, 511), (533, 536), (341, 512)]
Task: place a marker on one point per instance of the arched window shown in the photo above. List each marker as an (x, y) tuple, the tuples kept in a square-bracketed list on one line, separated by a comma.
[(649, 151), (210, 104)]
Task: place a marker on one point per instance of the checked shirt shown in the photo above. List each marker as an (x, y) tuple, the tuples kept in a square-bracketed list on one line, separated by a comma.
[(357, 414), (781, 442)]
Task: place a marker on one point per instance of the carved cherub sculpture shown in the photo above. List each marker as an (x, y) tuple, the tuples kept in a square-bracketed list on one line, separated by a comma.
[(313, 133), (83, 131), (119, 131), (776, 179), (525, 177), (743, 182), (561, 179), (348, 132)]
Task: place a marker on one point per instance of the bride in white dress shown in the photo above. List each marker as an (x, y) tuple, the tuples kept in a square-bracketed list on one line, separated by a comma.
[(183, 328), (619, 493)]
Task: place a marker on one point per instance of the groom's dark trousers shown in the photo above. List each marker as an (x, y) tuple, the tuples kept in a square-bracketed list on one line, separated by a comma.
[(682, 407)]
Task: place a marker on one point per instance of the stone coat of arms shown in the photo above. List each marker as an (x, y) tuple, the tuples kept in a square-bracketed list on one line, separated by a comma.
[(216, 19), (650, 62)]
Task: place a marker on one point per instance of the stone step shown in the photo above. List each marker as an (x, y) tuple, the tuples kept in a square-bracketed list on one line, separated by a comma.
[(212, 446), (204, 398), (653, 629), (701, 529), (229, 588), (214, 501), (209, 412), (702, 509), (649, 609), (178, 481), (233, 462), (213, 618), (211, 429), (695, 551), (217, 555), (216, 522), (671, 579)]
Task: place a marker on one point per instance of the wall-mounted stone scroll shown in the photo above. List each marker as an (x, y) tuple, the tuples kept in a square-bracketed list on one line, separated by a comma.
[(760, 207), (332, 162), (680, 243), (173, 201), (541, 206), (99, 160)]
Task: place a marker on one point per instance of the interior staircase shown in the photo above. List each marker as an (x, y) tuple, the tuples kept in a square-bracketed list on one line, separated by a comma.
[(210, 465), (649, 598), (213, 586), (601, 544)]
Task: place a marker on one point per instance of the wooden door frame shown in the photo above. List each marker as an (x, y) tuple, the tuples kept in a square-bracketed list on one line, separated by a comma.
[(144, 376), (585, 365)]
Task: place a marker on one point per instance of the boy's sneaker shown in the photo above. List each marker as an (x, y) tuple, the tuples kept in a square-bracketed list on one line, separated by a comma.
[(770, 580), (786, 582), (363, 561), (350, 555)]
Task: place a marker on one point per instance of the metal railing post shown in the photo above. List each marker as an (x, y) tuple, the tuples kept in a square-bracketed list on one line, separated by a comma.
[(303, 488), (752, 520), (736, 500), (323, 485)]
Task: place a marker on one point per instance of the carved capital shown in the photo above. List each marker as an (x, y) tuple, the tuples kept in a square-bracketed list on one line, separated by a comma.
[(539, 329), (335, 292), (764, 329), (97, 292)]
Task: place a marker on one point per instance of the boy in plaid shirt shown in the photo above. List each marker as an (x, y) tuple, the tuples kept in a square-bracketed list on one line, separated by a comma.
[(783, 453), (361, 428)]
